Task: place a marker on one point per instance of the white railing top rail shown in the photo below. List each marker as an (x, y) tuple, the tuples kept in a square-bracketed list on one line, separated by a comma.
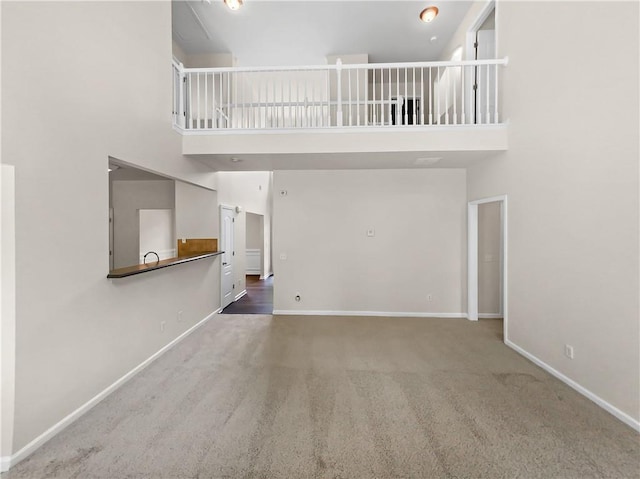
[(351, 66)]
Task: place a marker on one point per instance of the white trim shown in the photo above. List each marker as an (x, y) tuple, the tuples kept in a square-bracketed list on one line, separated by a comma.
[(352, 66), (240, 295), (7, 308), (490, 315), (75, 415), (622, 416), (339, 129), (221, 241), (491, 199), (472, 262), (472, 255), (392, 314)]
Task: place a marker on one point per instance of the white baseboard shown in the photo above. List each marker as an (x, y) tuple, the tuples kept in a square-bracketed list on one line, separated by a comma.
[(490, 315), (252, 272), (622, 416), (240, 294), (394, 314), (7, 462)]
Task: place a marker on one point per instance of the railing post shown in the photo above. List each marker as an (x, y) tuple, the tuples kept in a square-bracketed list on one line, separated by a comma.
[(182, 91), (339, 92)]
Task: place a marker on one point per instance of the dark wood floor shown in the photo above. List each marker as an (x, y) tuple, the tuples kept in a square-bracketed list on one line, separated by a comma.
[(258, 300)]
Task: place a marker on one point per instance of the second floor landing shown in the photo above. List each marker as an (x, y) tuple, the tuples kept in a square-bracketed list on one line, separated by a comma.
[(426, 109)]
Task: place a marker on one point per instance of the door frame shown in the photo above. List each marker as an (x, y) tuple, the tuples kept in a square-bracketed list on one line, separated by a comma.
[(472, 258), (469, 50), (233, 213)]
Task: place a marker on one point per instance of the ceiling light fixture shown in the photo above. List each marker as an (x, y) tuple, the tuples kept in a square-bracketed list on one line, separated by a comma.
[(428, 14), (233, 4)]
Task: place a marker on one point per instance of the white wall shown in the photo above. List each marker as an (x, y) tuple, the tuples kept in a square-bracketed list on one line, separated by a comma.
[(196, 212), (157, 234), (78, 67), (128, 197), (255, 236), (321, 226), (251, 190), (571, 174), (489, 264)]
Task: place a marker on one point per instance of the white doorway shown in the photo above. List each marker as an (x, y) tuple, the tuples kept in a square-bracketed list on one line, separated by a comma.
[(227, 230), (473, 259), (255, 244), (481, 44)]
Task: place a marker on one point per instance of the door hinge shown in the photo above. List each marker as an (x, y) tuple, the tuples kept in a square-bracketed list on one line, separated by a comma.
[(233, 253), (234, 287), (475, 45), (475, 87), (233, 220)]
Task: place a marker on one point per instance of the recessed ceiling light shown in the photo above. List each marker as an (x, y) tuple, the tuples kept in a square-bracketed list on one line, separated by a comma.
[(235, 160), (434, 39), (428, 14), (233, 4)]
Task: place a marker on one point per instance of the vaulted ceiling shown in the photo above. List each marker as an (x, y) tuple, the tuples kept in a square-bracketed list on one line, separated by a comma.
[(298, 32)]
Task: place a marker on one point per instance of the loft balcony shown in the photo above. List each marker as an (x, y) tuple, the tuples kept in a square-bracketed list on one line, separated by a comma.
[(354, 108)]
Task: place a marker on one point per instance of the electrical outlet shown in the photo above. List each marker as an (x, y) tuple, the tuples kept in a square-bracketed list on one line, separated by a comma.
[(163, 324), (429, 297), (568, 351), (180, 316), (298, 297), (283, 256)]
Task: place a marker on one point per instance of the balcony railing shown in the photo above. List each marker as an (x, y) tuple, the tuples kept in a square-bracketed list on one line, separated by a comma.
[(337, 96)]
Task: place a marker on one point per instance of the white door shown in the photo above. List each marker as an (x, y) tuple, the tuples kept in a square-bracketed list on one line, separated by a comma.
[(226, 245), (485, 92)]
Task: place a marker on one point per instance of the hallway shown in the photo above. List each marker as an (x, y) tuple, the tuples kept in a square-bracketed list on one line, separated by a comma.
[(258, 300)]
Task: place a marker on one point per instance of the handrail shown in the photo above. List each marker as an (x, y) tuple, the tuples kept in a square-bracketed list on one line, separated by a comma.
[(350, 66)]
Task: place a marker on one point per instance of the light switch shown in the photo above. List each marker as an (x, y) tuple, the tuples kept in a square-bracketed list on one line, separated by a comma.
[(371, 232), (184, 240), (283, 256)]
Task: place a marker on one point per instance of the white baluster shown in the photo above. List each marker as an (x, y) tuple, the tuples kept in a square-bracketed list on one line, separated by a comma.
[(190, 100), (389, 99), (198, 97), (430, 99), (488, 115), (463, 106), (447, 89), (454, 71), (358, 95), (414, 96), (495, 115), (406, 104), (398, 106), (421, 96), (339, 80)]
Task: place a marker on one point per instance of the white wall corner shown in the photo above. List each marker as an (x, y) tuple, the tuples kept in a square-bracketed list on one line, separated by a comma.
[(610, 408), (86, 407)]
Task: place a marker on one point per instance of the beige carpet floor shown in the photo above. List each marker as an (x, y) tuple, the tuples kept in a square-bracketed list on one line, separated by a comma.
[(316, 397)]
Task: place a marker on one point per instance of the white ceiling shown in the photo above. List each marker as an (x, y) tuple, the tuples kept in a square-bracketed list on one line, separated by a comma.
[(345, 161), (303, 32)]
